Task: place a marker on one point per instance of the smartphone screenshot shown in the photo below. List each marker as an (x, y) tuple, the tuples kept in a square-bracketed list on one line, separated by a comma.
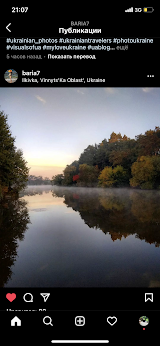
[(79, 175)]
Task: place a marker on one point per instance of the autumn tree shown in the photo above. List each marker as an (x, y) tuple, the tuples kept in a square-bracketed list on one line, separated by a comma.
[(125, 138), (76, 165), (75, 177), (106, 178), (88, 175), (114, 137), (110, 177), (156, 164), (69, 172), (146, 172), (149, 143), (117, 151), (124, 154)]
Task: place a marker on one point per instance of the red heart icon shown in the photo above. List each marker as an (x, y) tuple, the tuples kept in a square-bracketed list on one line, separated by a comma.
[(11, 296)]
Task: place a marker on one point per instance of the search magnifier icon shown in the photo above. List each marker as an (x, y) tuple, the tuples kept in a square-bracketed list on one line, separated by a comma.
[(28, 300), (49, 322)]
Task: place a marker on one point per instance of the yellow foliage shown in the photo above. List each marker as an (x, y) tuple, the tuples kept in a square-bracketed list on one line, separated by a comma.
[(106, 177)]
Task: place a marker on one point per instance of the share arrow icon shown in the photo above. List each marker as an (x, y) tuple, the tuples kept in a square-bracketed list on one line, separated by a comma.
[(45, 296)]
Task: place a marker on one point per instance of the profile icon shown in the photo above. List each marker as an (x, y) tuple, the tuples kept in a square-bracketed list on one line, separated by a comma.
[(144, 321), (11, 76)]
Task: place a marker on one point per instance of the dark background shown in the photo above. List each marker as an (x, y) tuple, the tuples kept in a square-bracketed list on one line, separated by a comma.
[(120, 69)]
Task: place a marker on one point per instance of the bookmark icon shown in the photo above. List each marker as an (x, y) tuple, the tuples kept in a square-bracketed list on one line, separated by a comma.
[(149, 296), (45, 296)]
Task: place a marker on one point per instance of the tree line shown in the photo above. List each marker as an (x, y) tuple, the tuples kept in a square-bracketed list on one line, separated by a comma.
[(117, 162), (34, 180)]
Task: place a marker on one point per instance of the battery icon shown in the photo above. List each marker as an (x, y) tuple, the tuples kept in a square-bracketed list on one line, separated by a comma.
[(148, 9)]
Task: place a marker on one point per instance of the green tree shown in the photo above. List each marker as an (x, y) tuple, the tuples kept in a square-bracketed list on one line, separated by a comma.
[(75, 164), (19, 176), (88, 156), (102, 155), (120, 176), (13, 167), (57, 179), (7, 150)]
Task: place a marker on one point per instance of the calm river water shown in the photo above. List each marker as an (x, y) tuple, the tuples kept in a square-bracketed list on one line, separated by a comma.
[(80, 237)]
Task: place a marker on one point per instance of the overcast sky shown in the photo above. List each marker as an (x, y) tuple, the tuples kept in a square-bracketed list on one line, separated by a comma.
[(53, 126)]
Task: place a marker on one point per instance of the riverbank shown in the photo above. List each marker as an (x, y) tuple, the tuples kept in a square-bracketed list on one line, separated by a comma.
[(6, 193)]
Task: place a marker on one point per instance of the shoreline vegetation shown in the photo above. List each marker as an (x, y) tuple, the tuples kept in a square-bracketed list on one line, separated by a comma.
[(13, 167), (116, 162), (38, 180)]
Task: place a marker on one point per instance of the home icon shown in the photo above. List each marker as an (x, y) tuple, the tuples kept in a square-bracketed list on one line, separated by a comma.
[(15, 321)]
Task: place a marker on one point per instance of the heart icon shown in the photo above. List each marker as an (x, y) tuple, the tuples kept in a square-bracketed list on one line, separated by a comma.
[(111, 320), (11, 296)]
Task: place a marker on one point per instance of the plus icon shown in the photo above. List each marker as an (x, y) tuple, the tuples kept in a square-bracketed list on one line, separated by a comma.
[(80, 321)]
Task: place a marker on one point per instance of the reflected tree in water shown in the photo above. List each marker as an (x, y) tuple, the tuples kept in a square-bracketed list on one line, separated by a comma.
[(13, 224), (119, 213)]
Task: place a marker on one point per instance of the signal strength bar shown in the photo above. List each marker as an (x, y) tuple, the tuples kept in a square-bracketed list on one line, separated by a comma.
[(129, 9)]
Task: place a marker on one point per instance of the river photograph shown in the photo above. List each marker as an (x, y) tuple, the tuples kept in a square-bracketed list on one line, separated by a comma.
[(79, 187)]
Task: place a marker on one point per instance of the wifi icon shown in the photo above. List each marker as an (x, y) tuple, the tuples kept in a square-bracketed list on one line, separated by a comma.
[(129, 9)]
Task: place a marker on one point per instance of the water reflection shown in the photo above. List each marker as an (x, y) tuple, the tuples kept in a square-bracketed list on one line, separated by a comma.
[(118, 212), (32, 190), (80, 237), (13, 224)]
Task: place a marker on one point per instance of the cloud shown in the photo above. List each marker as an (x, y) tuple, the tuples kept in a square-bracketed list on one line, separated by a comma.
[(80, 92), (40, 99), (147, 90), (110, 90)]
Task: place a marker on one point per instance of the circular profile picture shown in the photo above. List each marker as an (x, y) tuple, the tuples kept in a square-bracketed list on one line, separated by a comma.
[(11, 76), (144, 321)]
